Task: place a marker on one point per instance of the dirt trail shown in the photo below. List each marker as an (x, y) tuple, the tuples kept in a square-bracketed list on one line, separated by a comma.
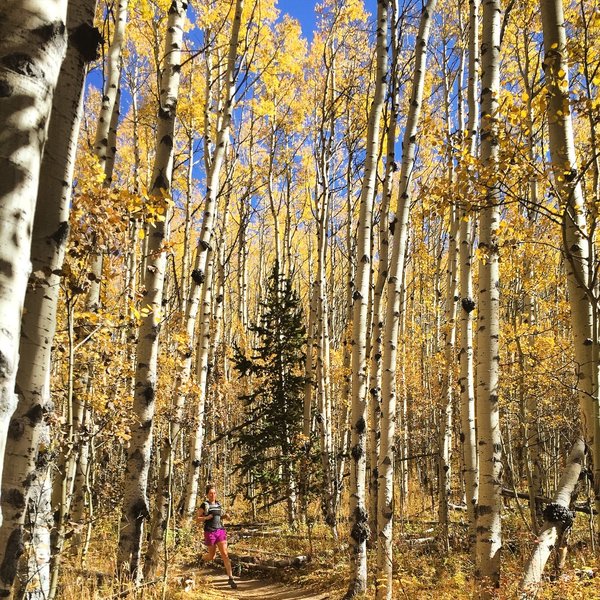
[(258, 589)]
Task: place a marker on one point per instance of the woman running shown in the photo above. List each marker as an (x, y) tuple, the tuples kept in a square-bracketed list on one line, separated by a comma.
[(215, 536)]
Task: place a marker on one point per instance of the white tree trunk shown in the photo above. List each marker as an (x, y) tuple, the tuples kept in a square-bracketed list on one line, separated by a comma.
[(449, 335), (382, 274), (32, 46), (393, 311), (34, 578), (111, 86), (203, 352), (359, 533), (48, 245), (557, 519), (489, 540), (575, 238), (466, 378), (135, 502), (205, 241)]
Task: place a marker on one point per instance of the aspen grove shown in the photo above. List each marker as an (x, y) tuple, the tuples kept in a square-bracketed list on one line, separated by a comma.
[(345, 270)]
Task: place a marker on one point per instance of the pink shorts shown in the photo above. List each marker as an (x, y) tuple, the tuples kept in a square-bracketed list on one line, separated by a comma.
[(213, 537)]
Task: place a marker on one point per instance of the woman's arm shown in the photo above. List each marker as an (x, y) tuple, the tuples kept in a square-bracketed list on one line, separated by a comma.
[(201, 517)]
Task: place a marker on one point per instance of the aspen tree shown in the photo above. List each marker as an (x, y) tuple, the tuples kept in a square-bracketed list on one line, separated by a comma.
[(575, 236), (32, 47), (448, 328), (393, 310), (111, 85), (466, 378), (105, 150), (80, 381), (489, 540), (135, 503), (558, 519), (205, 240), (322, 213), (107, 121), (529, 401), (359, 533), (382, 268), (28, 466)]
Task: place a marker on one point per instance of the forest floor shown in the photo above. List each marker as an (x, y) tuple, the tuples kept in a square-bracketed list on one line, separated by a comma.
[(250, 587), (275, 563)]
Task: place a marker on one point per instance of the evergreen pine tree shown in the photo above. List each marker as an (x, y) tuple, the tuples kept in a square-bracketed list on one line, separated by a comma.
[(269, 438)]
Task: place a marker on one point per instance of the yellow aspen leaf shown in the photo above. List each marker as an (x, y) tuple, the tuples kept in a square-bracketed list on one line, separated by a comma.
[(141, 234)]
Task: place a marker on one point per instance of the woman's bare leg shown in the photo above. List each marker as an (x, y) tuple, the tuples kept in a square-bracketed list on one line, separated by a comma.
[(225, 556), (210, 553)]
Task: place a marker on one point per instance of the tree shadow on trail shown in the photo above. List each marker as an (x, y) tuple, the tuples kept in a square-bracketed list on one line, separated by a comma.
[(260, 589)]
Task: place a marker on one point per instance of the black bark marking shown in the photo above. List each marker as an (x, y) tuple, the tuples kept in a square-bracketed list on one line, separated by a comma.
[(198, 276), (51, 31), (148, 393), (61, 234), (360, 530), (361, 426), (468, 305), (87, 39), (160, 183), (22, 63), (14, 498), (16, 429), (14, 550), (357, 452), (6, 89), (35, 414), (559, 514)]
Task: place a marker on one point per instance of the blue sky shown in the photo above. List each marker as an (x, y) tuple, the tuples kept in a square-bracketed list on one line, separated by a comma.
[(304, 11)]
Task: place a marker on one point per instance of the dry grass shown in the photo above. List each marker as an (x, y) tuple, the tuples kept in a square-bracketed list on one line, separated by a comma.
[(420, 572)]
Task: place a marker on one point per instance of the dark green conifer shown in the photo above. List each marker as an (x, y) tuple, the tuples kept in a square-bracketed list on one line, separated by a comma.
[(270, 438)]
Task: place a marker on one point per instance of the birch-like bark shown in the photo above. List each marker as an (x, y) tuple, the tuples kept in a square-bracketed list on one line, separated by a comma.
[(81, 489), (48, 245), (393, 311), (448, 333), (308, 398), (343, 444), (449, 336), (135, 501), (323, 364), (205, 240), (34, 573), (489, 541), (557, 519), (467, 374), (212, 188), (111, 85), (359, 533), (32, 47), (575, 243), (197, 439), (382, 272), (214, 165), (82, 377)]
